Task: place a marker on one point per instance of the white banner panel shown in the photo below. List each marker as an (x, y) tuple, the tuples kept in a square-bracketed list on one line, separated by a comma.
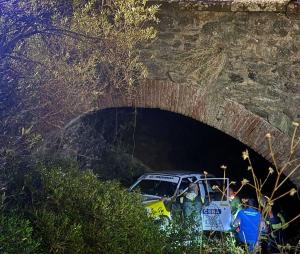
[(216, 216)]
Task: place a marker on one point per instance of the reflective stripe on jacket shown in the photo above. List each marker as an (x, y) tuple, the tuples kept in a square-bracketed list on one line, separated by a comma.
[(276, 222)]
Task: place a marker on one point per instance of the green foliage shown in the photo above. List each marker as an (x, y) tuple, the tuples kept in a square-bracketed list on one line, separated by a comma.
[(74, 212), (184, 235), (56, 59), (16, 236), (221, 243), (59, 57), (58, 233)]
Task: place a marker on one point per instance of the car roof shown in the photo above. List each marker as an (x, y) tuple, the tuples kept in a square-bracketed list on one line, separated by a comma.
[(181, 173)]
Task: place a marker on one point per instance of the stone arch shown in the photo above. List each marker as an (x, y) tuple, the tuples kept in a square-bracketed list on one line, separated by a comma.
[(223, 114)]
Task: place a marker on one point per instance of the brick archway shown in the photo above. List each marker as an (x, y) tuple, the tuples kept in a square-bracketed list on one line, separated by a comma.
[(225, 115)]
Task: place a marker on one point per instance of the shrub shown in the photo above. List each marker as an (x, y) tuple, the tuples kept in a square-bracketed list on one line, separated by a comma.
[(16, 236), (185, 236), (74, 212)]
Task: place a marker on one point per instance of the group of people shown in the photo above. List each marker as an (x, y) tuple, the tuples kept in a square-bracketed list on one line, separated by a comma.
[(254, 229), (250, 227)]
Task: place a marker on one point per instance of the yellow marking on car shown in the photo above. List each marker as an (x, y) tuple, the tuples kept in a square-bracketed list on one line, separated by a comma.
[(157, 208)]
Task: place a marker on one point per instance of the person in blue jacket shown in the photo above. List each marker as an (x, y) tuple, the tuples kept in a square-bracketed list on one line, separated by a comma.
[(248, 223)]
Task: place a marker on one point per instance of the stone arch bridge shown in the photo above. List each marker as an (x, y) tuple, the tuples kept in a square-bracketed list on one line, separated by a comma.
[(233, 65)]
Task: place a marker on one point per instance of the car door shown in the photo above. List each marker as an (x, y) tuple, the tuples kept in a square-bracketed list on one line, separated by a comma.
[(216, 212)]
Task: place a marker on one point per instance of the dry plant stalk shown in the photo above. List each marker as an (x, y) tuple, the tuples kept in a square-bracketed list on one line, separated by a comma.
[(281, 177)]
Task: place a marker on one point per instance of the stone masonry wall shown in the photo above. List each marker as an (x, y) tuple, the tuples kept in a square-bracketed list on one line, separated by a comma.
[(251, 58)]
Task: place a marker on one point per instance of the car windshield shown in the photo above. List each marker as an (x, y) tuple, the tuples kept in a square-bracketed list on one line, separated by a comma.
[(156, 187)]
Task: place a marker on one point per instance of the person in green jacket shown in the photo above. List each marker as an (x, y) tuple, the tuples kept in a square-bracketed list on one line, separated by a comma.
[(276, 224), (235, 203), (192, 205)]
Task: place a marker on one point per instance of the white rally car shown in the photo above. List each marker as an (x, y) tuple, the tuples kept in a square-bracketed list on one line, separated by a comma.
[(161, 188)]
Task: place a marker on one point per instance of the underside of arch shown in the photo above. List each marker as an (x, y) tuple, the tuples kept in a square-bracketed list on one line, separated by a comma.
[(225, 115)]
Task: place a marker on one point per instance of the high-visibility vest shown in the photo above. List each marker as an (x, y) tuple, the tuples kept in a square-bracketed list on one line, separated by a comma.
[(277, 222)]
